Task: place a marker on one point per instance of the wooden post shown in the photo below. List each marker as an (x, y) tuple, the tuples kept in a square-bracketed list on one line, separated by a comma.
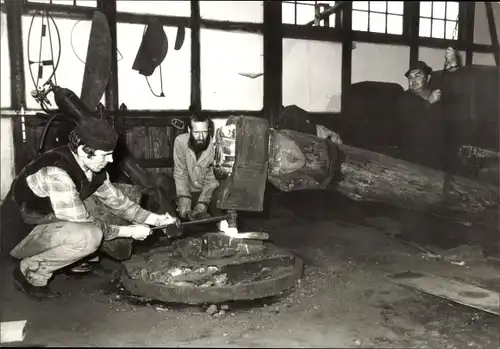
[(108, 7), (470, 14), (347, 47), (14, 10), (273, 61), (195, 56), (411, 27)]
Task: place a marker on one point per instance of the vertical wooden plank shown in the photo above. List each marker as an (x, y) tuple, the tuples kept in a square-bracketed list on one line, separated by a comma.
[(139, 142), (411, 20), (347, 45), (108, 7), (273, 61), (493, 31), (470, 14), (195, 56), (17, 78)]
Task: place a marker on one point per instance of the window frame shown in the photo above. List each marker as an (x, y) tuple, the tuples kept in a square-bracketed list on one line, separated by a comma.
[(319, 6), (459, 23), (386, 14)]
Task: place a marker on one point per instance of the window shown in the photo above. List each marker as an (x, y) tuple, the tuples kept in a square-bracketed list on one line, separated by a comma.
[(305, 83), (439, 19), (302, 12), (235, 11), (378, 16), (71, 67), (87, 3), (5, 66), (165, 8), (231, 70), (135, 90)]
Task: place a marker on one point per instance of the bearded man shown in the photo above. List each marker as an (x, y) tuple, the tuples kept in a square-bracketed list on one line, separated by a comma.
[(195, 182)]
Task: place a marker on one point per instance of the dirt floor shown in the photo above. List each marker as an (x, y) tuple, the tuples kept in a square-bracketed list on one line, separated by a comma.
[(343, 299)]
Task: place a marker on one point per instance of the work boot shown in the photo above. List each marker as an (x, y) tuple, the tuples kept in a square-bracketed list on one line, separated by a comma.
[(37, 292), (83, 267)]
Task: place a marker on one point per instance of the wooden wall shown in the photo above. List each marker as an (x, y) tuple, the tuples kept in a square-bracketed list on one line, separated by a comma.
[(150, 143)]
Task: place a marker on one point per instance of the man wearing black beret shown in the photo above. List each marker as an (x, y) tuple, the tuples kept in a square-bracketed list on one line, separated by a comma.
[(49, 226)]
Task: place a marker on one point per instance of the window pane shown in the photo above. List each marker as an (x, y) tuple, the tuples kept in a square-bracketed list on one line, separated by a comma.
[(167, 8), (133, 89), (377, 22), (425, 8), (396, 7), (438, 28), (360, 20), (378, 6), (438, 9), (394, 24), (360, 5), (5, 66), (288, 13), (452, 10), (236, 11), (69, 73), (425, 27), (231, 70), (87, 3), (331, 18), (305, 83), (450, 30), (305, 13)]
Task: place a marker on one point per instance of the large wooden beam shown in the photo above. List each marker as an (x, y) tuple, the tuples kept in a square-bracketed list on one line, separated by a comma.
[(195, 56), (470, 14), (370, 176), (493, 31), (347, 46), (108, 7), (411, 28), (17, 77), (273, 61)]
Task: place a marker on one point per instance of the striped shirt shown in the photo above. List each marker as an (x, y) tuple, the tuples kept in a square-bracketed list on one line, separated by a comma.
[(56, 184)]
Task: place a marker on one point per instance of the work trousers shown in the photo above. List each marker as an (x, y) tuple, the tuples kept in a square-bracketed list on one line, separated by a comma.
[(50, 247)]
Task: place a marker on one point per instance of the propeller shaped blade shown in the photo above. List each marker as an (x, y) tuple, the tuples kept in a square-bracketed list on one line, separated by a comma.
[(97, 63)]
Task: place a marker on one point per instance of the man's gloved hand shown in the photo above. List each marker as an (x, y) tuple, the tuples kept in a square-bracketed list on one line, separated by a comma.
[(184, 207), (199, 212), (166, 219), (137, 231)]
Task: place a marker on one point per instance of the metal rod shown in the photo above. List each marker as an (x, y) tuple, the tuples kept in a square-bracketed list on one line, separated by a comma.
[(199, 221)]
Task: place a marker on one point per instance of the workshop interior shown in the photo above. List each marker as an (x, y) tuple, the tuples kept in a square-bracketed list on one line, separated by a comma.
[(284, 173)]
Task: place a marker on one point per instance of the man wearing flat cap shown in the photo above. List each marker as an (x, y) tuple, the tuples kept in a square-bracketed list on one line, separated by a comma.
[(420, 119), (49, 226)]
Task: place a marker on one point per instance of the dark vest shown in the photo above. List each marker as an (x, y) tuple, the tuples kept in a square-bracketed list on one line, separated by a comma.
[(21, 197), (60, 157)]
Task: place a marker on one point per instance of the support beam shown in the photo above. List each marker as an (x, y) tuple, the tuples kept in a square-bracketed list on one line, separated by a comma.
[(493, 31), (17, 77), (347, 46), (273, 61), (411, 28), (470, 14), (108, 7), (195, 56)]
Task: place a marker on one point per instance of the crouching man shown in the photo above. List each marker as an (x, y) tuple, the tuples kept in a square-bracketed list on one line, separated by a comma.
[(195, 182), (50, 228)]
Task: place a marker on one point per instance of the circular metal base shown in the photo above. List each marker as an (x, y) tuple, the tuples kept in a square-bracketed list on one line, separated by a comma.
[(199, 270)]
